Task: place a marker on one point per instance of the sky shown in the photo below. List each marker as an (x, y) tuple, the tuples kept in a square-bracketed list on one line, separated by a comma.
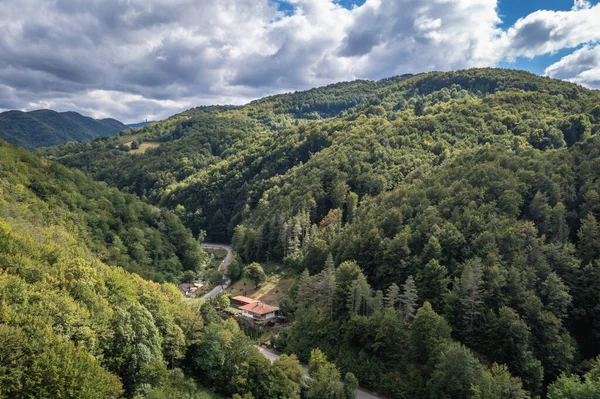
[(148, 59)]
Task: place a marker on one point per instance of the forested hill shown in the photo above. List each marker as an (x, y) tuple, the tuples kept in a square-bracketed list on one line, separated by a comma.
[(472, 195), (118, 228), (45, 128), (217, 166), (74, 323)]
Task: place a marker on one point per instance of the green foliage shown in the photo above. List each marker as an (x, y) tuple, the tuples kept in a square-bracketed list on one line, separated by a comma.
[(73, 326), (481, 184), (255, 273), (122, 230)]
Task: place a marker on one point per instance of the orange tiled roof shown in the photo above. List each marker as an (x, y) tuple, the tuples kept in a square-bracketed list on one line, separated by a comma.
[(244, 299), (258, 308)]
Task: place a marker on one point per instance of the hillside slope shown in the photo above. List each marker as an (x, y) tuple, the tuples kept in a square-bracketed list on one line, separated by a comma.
[(218, 162), (75, 324), (119, 228), (471, 196), (43, 128)]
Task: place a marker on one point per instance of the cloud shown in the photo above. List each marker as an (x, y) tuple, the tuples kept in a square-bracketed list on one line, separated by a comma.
[(398, 36), (141, 59), (581, 4), (545, 32), (582, 67)]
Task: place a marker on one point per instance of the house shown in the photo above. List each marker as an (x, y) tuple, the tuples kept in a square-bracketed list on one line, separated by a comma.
[(239, 301), (259, 311), (189, 289)]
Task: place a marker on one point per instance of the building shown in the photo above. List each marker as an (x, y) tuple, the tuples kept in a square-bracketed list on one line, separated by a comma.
[(239, 301), (259, 311), (189, 289)]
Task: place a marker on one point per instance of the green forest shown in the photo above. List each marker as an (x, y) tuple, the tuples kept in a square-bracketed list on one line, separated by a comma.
[(443, 227), (78, 321)]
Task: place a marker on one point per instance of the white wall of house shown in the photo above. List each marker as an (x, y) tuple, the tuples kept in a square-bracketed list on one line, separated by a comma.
[(257, 317)]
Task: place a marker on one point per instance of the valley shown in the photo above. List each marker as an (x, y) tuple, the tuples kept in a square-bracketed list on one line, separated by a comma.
[(429, 235)]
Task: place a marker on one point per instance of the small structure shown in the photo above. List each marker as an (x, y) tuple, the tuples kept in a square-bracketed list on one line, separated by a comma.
[(189, 289), (259, 311)]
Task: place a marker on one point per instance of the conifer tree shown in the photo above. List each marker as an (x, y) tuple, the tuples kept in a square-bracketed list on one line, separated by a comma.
[(408, 299)]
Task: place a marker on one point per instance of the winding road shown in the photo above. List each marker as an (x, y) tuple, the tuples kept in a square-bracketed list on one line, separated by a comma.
[(222, 268)]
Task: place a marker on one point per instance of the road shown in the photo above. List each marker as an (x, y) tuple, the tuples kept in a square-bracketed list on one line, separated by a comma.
[(272, 356), (222, 268)]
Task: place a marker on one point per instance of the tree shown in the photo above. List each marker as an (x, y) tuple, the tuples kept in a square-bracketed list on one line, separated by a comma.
[(558, 229), (572, 387), (556, 295), (455, 373), (326, 384), (305, 291), (287, 378), (408, 299), (497, 383), (432, 250), (427, 334), (392, 296), (235, 270), (359, 299), (351, 206), (189, 276), (350, 385), (540, 211), (255, 273), (223, 301), (471, 288), (432, 283), (589, 239)]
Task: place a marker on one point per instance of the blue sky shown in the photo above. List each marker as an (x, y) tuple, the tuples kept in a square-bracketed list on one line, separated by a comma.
[(148, 59), (511, 10)]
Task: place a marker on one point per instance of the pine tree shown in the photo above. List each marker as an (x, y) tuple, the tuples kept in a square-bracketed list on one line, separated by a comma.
[(304, 288), (408, 299), (351, 206), (558, 230), (589, 239), (471, 289), (359, 300), (377, 305), (540, 211), (392, 296), (432, 250)]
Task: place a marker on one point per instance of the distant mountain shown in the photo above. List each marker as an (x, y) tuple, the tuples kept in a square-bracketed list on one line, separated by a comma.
[(138, 125), (45, 127)]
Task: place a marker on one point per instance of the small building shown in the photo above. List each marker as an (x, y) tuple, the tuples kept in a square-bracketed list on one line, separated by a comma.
[(259, 311), (239, 301)]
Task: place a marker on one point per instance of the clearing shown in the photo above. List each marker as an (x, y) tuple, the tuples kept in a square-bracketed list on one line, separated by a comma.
[(143, 146), (268, 292)]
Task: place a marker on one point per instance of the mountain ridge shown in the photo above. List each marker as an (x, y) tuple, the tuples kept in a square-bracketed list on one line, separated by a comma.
[(45, 127)]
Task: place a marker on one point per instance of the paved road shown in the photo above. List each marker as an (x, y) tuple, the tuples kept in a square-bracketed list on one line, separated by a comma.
[(222, 268), (272, 356)]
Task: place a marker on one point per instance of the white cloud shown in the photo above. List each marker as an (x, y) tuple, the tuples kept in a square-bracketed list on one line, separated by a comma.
[(544, 32), (141, 59), (582, 66), (581, 4)]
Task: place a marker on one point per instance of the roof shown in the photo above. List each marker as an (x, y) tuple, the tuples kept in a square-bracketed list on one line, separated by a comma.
[(258, 308), (244, 299)]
